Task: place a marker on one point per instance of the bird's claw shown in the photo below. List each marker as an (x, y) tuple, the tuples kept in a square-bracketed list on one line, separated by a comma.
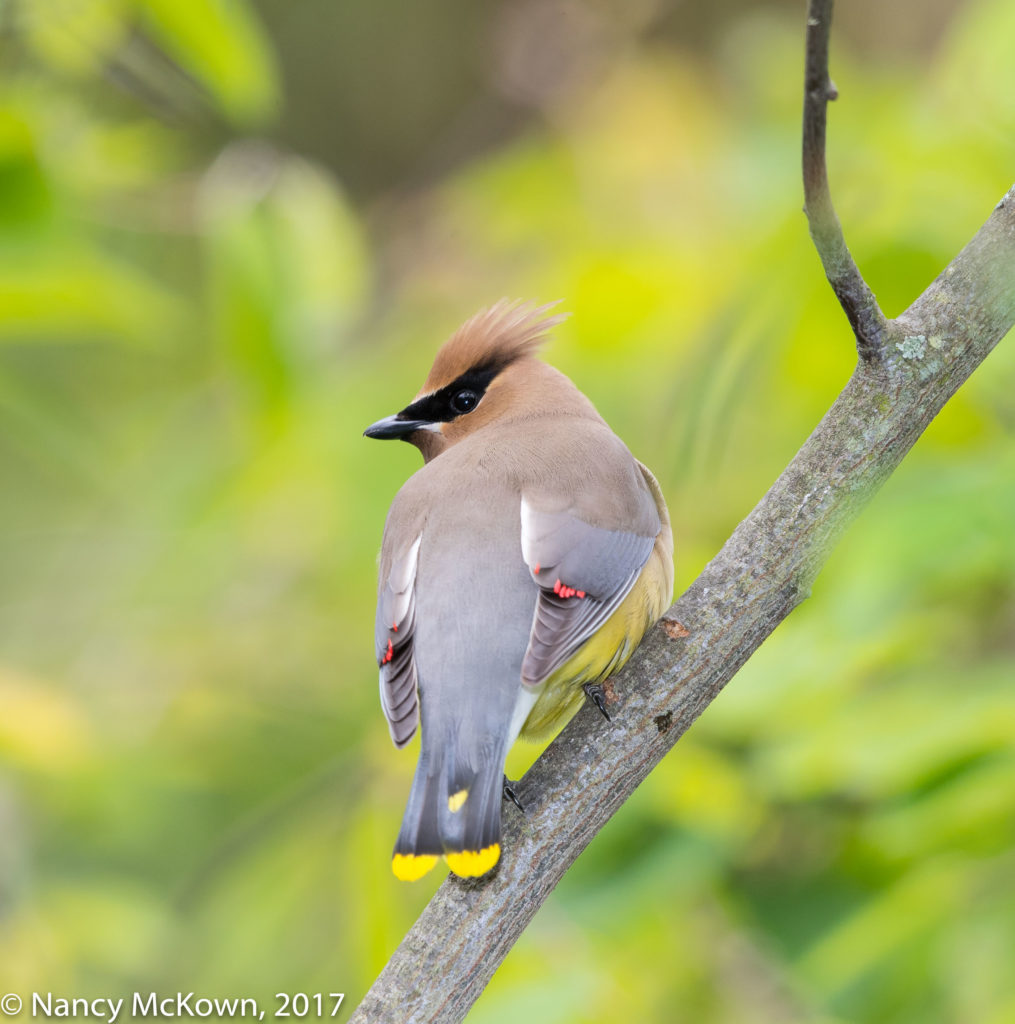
[(597, 695), (510, 794)]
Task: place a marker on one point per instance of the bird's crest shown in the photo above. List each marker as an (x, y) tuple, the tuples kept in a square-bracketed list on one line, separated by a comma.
[(493, 338)]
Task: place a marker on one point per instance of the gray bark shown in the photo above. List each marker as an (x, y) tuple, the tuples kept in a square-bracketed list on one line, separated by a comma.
[(762, 572), (909, 368)]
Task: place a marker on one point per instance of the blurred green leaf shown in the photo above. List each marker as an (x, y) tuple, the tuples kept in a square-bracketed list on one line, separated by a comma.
[(74, 36), (221, 43), (84, 296)]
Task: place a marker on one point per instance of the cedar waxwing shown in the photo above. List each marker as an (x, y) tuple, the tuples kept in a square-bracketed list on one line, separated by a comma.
[(520, 566)]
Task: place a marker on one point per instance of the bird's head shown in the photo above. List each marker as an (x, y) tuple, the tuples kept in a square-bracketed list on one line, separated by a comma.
[(486, 371)]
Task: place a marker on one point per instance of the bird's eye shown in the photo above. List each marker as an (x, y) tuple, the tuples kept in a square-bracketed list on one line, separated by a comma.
[(464, 401)]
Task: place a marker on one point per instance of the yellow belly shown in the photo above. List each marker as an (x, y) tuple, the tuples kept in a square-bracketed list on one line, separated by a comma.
[(608, 649)]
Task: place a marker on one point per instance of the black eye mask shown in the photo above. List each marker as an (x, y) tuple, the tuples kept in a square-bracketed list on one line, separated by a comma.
[(456, 399)]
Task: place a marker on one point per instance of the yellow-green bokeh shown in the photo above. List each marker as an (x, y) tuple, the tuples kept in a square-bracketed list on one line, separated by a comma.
[(197, 320)]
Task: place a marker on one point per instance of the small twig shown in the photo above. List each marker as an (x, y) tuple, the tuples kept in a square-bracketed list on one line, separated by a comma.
[(858, 302)]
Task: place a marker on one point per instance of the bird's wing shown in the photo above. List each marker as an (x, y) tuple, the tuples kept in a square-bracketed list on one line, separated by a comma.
[(393, 630), (583, 572)]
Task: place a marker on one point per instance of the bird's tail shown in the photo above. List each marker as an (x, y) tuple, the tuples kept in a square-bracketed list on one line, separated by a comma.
[(454, 812)]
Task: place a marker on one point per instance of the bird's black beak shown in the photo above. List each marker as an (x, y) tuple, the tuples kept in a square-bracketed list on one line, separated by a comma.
[(395, 426)]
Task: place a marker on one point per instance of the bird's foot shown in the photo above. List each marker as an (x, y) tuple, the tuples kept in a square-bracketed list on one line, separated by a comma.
[(510, 794), (597, 695)]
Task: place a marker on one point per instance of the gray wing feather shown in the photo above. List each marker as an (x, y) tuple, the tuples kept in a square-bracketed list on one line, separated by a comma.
[(597, 566), (393, 634)]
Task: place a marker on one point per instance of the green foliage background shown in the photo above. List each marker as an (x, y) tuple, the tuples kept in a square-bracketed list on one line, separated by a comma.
[(197, 319)]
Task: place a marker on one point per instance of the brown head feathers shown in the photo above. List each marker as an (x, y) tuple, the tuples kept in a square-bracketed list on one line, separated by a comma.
[(492, 339), (485, 372)]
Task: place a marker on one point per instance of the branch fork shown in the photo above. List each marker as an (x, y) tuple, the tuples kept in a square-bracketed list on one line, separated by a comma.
[(762, 572)]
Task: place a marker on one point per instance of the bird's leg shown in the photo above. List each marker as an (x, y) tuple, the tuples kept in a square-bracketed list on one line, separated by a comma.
[(597, 695), (510, 794)]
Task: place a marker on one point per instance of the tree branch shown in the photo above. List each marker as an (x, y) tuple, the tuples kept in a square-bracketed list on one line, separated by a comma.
[(856, 298), (911, 367)]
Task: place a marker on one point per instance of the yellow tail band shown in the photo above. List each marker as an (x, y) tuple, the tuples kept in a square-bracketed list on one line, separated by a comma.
[(410, 866), (473, 863)]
